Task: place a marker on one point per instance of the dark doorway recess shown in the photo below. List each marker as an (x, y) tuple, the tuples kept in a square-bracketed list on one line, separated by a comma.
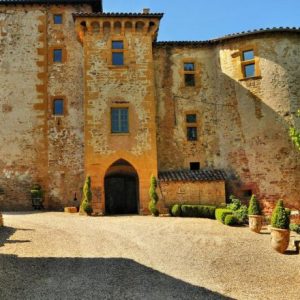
[(121, 189)]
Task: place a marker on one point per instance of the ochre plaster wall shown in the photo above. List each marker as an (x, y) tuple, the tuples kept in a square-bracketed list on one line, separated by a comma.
[(129, 86)]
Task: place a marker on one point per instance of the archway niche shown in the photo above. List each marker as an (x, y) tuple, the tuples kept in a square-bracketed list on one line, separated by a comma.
[(121, 189)]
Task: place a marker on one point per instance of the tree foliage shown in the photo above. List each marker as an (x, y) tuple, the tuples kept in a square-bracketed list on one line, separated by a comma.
[(86, 203), (153, 196), (295, 134)]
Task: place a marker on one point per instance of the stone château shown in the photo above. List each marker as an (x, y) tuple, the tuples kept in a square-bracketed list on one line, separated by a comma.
[(84, 92)]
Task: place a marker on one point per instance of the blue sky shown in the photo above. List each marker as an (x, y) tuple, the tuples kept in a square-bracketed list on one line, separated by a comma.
[(206, 19)]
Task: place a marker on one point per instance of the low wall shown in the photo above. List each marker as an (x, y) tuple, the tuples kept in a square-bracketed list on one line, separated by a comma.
[(196, 192)]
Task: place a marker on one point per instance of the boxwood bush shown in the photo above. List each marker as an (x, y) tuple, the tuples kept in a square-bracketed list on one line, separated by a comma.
[(280, 218), (231, 220), (221, 214), (193, 211), (176, 210), (295, 227)]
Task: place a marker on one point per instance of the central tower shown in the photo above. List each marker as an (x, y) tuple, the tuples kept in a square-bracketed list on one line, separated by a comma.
[(119, 100)]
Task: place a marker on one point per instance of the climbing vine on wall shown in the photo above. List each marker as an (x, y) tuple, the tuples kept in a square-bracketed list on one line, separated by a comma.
[(295, 134)]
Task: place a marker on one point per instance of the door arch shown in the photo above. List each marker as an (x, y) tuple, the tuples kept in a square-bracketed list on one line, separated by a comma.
[(121, 189)]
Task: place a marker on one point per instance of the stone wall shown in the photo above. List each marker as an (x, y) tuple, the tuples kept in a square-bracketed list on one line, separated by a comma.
[(198, 192), (243, 124), (34, 147)]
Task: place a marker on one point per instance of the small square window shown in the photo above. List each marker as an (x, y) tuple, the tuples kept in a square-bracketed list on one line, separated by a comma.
[(57, 55), (58, 107), (194, 166), (189, 79), (57, 19), (189, 67), (118, 58), (192, 133), (191, 118), (249, 70), (117, 45), (119, 120), (248, 55)]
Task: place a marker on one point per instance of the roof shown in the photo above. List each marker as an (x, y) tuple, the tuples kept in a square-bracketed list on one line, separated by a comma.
[(96, 4), (231, 36), (188, 175), (119, 15)]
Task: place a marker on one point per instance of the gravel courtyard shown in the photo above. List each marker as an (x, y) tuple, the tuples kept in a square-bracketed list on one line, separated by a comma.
[(62, 256)]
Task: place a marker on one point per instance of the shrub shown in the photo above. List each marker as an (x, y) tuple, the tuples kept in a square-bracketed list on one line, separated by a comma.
[(241, 214), (234, 204), (86, 203), (295, 227), (153, 197), (280, 218), (221, 214), (176, 210), (231, 220), (198, 211), (238, 210), (254, 208)]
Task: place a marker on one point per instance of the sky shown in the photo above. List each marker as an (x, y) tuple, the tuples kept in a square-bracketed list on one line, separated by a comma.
[(207, 19)]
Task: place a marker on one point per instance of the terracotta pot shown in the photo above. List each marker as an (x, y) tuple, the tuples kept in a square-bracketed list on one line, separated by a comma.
[(280, 239), (255, 223)]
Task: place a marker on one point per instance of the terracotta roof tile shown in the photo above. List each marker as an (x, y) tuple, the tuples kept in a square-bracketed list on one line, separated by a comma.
[(111, 14), (187, 175), (230, 36), (96, 4)]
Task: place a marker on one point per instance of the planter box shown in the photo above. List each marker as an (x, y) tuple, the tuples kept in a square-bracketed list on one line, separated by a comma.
[(71, 210)]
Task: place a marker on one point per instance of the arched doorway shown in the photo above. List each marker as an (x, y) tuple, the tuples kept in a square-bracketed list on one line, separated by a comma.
[(121, 189)]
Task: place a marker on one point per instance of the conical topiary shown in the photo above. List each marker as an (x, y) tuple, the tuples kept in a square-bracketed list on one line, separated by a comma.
[(254, 208), (153, 197), (280, 218), (86, 203)]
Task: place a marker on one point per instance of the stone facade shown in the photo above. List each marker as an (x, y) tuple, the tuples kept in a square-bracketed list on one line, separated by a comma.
[(242, 123)]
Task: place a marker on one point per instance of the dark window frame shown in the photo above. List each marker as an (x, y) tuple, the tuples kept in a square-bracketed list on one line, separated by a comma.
[(58, 19), (122, 126), (195, 166), (189, 74), (192, 133), (117, 55), (58, 111), (59, 58), (248, 62)]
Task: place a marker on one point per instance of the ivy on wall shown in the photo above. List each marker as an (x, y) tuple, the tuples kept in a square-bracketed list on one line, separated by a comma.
[(295, 134)]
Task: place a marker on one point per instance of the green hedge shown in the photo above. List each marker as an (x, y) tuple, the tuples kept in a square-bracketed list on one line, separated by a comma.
[(194, 211), (295, 227), (221, 214), (231, 220), (176, 210)]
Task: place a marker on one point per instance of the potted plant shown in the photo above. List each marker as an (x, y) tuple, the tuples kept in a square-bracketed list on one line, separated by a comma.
[(280, 233), (37, 196), (254, 215)]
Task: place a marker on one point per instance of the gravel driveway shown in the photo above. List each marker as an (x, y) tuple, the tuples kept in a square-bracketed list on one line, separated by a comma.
[(62, 256)]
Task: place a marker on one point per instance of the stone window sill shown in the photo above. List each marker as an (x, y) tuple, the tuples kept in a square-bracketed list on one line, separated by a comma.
[(114, 67), (250, 78)]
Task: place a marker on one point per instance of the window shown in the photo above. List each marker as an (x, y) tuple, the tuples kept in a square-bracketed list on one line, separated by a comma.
[(191, 126), (189, 74), (248, 63), (119, 120), (191, 118), (192, 133), (118, 53), (57, 19), (57, 55), (194, 166), (58, 107)]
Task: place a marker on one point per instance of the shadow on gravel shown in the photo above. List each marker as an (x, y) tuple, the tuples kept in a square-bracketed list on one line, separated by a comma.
[(5, 233), (91, 278)]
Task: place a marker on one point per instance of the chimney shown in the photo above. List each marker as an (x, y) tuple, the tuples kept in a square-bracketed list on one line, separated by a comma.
[(146, 11)]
